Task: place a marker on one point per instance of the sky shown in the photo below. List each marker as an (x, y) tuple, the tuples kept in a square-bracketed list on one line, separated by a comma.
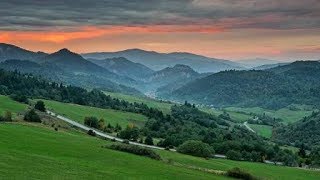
[(227, 29)]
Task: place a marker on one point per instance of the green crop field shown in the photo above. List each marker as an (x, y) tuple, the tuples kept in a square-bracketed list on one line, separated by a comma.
[(286, 114), (7, 104), (165, 107), (78, 113), (33, 152), (262, 130)]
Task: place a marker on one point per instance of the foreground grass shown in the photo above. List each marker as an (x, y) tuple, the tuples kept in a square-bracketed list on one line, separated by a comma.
[(165, 107), (7, 104), (262, 130), (33, 152), (260, 170), (78, 113), (287, 115)]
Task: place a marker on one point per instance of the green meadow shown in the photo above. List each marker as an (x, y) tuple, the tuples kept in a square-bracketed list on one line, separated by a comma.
[(35, 152), (286, 114), (79, 112), (24, 153), (165, 107), (262, 130), (7, 104)]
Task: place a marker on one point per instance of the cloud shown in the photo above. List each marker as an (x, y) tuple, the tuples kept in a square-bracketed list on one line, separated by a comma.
[(69, 15)]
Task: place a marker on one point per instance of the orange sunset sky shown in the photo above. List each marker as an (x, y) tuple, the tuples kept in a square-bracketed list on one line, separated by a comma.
[(285, 30)]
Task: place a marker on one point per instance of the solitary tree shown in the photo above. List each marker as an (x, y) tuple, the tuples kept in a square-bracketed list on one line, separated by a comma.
[(40, 106), (32, 116)]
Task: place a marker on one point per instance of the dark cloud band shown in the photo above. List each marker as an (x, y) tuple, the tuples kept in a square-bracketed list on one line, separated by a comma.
[(66, 14)]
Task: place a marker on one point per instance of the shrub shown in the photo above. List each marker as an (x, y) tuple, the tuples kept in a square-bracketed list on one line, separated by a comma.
[(91, 122), (19, 98), (91, 133), (196, 148), (148, 140), (40, 106), (233, 155), (136, 150), (130, 133), (7, 116), (32, 116), (240, 174)]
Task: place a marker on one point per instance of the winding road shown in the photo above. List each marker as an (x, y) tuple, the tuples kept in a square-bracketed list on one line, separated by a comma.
[(248, 127), (99, 133)]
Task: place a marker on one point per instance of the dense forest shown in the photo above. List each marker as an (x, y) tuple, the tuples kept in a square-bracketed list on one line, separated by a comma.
[(295, 83), (305, 132)]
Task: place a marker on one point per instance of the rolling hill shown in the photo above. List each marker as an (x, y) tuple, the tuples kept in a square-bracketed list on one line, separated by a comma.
[(296, 83)]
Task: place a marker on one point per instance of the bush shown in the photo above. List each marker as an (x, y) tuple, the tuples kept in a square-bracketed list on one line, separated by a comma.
[(136, 150), (233, 155), (40, 106), (240, 174), (148, 140), (7, 116), (196, 148), (32, 116), (19, 98), (130, 133), (91, 133), (91, 122)]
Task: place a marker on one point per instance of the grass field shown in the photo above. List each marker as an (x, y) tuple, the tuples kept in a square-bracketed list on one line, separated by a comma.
[(262, 130), (165, 107), (7, 104), (263, 171), (235, 116), (78, 113), (24, 153), (288, 116), (28, 152)]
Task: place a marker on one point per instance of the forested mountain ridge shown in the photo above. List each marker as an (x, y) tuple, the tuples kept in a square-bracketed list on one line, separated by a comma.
[(8, 51), (297, 83), (305, 132), (124, 67)]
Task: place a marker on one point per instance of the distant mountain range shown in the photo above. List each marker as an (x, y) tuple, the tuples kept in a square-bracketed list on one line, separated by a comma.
[(124, 67), (8, 51), (158, 61), (64, 66), (251, 63)]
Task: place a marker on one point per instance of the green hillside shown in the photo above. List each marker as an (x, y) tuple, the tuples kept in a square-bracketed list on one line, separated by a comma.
[(79, 112), (163, 106), (76, 156), (287, 114), (7, 104)]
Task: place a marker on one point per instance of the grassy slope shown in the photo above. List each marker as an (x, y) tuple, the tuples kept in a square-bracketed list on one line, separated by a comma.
[(288, 116), (7, 104), (163, 106), (262, 130), (260, 170), (41, 153), (78, 113), (236, 116)]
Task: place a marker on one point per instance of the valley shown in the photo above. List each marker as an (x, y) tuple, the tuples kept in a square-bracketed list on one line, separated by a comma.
[(248, 117)]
